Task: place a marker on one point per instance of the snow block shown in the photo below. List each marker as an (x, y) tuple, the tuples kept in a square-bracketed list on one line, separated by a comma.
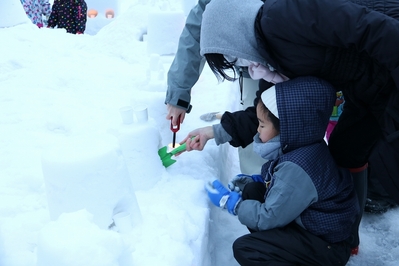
[(140, 155), (159, 23), (89, 173), (75, 240), (94, 25), (156, 74)]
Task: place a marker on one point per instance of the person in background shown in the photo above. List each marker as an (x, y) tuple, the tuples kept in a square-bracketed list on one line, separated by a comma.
[(36, 9), (70, 15), (383, 182), (301, 209), (378, 199), (356, 54)]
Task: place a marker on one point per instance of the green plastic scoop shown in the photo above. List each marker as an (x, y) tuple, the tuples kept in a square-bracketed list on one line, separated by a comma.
[(166, 157)]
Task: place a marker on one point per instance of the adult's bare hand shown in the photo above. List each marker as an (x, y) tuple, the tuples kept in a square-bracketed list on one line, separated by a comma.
[(174, 113), (197, 139)]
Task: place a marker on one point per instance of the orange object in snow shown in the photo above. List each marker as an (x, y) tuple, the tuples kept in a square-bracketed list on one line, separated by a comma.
[(109, 13), (92, 13)]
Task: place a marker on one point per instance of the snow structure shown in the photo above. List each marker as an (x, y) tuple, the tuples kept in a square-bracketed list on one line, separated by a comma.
[(91, 183), (94, 24), (144, 174), (79, 236), (155, 73), (159, 23), (102, 6), (87, 182), (89, 174), (12, 13), (171, 19)]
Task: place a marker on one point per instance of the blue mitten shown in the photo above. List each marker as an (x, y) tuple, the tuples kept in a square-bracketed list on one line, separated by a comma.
[(221, 197), (238, 182)]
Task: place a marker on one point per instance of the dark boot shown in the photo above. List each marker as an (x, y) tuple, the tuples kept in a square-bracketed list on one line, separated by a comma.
[(378, 206), (378, 200), (359, 176)]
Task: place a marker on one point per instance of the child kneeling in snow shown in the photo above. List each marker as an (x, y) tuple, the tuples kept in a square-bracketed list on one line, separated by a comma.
[(301, 209)]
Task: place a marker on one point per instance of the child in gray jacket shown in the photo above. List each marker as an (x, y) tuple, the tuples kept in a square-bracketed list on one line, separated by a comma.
[(302, 207)]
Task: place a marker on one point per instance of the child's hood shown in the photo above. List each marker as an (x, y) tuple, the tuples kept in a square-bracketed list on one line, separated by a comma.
[(228, 28), (304, 107)]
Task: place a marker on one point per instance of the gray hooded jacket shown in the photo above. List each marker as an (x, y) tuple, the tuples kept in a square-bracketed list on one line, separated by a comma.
[(227, 41), (306, 185), (188, 63)]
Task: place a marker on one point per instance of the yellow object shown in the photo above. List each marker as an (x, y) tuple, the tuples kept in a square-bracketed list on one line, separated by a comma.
[(170, 148)]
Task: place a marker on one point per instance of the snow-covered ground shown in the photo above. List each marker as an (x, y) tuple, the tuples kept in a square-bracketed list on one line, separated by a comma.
[(68, 164)]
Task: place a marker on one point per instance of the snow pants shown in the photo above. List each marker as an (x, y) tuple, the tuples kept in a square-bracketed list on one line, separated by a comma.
[(290, 245)]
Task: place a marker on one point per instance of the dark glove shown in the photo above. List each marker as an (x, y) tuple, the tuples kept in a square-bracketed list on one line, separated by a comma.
[(238, 182), (222, 197)]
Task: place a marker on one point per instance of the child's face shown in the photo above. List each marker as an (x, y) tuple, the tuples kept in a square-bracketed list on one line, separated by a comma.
[(266, 129)]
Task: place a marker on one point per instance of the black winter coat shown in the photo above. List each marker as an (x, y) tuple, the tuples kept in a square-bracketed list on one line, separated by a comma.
[(324, 49), (292, 40), (70, 15)]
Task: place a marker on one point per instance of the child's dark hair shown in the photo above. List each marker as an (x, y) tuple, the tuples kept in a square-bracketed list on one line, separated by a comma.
[(266, 112), (218, 64)]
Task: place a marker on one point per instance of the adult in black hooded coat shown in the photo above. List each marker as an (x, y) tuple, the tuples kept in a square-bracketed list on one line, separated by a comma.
[(343, 42)]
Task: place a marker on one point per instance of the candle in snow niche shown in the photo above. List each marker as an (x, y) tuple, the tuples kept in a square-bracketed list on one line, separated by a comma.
[(170, 146)]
